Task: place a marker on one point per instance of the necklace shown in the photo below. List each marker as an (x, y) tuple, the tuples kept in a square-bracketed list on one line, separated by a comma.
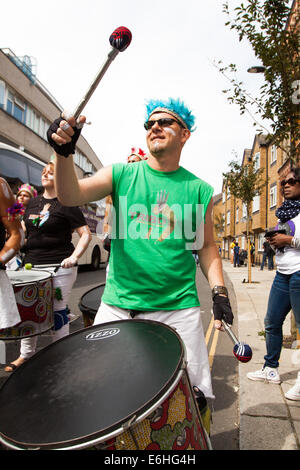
[(45, 212)]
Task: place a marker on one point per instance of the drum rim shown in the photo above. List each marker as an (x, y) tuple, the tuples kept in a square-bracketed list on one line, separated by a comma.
[(47, 275), (116, 426)]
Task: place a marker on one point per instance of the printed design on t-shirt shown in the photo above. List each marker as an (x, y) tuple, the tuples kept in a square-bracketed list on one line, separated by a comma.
[(39, 219), (44, 215), (289, 227), (163, 208), (161, 221)]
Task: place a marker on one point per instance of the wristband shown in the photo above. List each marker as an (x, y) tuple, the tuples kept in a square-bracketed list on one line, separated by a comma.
[(219, 290)]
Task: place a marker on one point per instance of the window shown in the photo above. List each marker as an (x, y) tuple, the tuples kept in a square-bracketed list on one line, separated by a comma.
[(2, 94), (261, 239), (257, 161), (35, 173), (244, 210), (29, 117), (243, 242), (228, 193), (273, 195), (228, 217), (255, 203), (15, 106), (273, 154), (237, 215), (13, 167), (224, 195)]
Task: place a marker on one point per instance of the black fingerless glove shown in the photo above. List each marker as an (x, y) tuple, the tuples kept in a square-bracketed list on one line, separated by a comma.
[(222, 309), (66, 149)]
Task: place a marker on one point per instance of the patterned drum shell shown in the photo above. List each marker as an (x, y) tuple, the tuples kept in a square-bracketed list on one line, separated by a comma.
[(34, 297)]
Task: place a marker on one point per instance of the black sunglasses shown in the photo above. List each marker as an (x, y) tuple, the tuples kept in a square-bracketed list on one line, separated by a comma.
[(163, 122), (290, 182)]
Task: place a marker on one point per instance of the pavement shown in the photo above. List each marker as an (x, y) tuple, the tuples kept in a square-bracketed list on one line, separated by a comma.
[(268, 421)]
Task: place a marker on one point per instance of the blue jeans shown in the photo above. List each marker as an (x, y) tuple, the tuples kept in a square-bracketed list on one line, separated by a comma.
[(284, 296)]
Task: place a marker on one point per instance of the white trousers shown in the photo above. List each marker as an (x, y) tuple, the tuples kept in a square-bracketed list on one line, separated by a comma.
[(64, 279), (188, 324)]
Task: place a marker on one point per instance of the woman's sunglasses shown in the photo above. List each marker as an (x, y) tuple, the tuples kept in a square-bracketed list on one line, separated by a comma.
[(290, 182), (163, 122)]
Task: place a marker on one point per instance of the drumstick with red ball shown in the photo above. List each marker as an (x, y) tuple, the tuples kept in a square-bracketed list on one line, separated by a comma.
[(242, 351), (119, 40)]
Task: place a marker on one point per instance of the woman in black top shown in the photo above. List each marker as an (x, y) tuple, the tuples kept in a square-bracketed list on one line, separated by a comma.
[(49, 227)]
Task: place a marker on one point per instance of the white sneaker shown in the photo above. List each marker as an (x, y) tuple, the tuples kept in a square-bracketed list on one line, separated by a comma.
[(294, 392), (267, 374)]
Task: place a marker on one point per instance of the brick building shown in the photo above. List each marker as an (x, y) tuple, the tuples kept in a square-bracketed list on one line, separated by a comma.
[(273, 161)]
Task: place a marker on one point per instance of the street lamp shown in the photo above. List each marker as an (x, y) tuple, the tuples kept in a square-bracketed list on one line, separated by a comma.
[(256, 69)]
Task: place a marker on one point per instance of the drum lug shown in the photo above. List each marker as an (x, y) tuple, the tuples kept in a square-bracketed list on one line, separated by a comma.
[(128, 427), (129, 423)]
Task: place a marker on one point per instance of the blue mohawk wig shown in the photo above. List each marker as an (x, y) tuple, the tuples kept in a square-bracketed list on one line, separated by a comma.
[(175, 107)]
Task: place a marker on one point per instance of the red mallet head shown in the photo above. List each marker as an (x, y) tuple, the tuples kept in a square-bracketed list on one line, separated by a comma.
[(242, 352), (120, 38)]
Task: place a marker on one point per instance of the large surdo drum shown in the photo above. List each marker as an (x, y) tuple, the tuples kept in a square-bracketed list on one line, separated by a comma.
[(119, 385), (89, 304)]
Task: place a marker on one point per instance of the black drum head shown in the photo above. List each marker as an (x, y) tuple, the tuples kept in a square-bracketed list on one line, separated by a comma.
[(90, 301), (88, 384)]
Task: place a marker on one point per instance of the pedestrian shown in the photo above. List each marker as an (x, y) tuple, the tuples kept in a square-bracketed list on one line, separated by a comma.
[(266, 246), (11, 236), (285, 290), (49, 227), (270, 255), (236, 254), (232, 245), (252, 253), (152, 273)]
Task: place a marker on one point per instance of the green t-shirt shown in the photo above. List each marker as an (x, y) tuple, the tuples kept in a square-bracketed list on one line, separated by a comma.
[(156, 214)]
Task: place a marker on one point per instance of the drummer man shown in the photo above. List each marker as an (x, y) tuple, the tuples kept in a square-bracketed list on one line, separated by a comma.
[(11, 236), (152, 269)]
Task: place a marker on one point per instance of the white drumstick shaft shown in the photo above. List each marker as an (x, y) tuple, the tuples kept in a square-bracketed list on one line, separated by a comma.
[(111, 56), (230, 333)]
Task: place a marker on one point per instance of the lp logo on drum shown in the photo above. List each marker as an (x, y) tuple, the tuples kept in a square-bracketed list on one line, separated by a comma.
[(102, 334)]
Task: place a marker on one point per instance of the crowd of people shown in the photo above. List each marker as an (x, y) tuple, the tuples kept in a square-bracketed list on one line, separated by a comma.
[(151, 270), (47, 227)]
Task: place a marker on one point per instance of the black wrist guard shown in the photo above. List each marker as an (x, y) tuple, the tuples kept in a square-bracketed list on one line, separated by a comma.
[(66, 149), (222, 309)]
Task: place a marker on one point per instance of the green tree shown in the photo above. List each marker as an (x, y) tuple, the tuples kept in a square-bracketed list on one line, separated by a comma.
[(275, 109), (245, 182), (219, 223)]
